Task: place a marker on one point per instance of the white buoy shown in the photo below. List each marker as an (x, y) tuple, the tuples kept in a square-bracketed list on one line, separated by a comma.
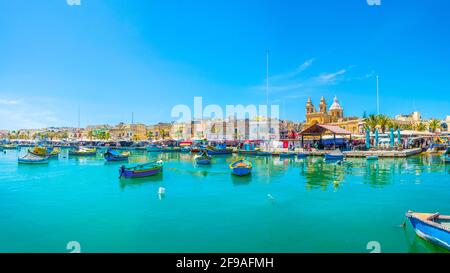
[(161, 192)]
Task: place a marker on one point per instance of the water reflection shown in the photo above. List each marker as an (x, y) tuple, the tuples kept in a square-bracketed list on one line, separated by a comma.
[(130, 182)]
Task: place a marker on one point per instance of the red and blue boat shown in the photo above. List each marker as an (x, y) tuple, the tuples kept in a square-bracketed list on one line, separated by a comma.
[(141, 169), (432, 227), (241, 167), (113, 155)]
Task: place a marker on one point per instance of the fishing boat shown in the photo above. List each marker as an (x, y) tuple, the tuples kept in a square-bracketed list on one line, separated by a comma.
[(286, 155), (432, 227), (82, 151), (372, 157), (113, 155), (248, 152), (154, 148), (241, 167), (203, 158), (33, 159), (218, 151), (185, 149), (44, 151), (334, 155), (9, 146), (302, 155), (140, 169)]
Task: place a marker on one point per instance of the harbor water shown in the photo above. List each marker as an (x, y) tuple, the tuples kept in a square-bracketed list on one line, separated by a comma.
[(285, 205)]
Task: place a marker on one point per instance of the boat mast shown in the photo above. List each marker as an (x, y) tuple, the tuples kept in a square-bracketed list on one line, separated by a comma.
[(267, 79), (378, 99)]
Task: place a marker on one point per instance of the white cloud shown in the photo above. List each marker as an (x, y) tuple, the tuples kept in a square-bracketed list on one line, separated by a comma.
[(8, 102), (294, 73), (329, 78)]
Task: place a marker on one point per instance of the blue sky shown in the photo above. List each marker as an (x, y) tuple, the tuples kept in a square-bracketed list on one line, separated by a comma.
[(114, 57)]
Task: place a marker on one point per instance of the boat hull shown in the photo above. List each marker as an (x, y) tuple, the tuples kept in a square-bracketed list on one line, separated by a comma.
[(27, 161), (82, 153), (241, 171), (302, 155), (333, 157), (430, 232), (143, 173), (371, 157), (282, 155), (203, 161), (219, 152)]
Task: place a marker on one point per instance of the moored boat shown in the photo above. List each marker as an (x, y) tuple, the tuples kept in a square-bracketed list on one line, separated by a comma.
[(218, 151), (302, 155), (432, 227), (141, 169), (9, 146), (372, 157), (154, 148), (241, 167), (171, 149), (203, 158), (33, 159), (334, 155), (44, 151), (82, 151), (263, 153), (113, 155)]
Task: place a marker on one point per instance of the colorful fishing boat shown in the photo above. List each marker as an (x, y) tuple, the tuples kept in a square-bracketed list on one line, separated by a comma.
[(203, 158), (44, 151), (113, 155), (248, 152), (241, 167), (9, 146), (154, 148), (432, 227), (302, 155), (141, 169), (372, 157), (185, 149), (335, 155), (33, 159), (83, 151), (218, 151)]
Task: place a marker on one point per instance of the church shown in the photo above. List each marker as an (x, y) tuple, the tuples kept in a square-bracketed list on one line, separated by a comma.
[(323, 116)]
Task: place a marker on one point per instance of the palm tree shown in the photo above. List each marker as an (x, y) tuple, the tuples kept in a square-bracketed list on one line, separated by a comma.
[(420, 127), (433, 125), (162, 133), (382, 121), (392, 124), (107, 135), (150, 134), (90, 135), (371, 122)]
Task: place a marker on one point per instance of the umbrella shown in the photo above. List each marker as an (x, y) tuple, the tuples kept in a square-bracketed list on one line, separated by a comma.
[(367, 138), (392, 137), (399, 139), (376, 138)]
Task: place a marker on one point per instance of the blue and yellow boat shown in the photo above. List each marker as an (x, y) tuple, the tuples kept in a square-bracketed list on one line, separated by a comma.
[(33, 159), (203, 158), (82, 151), (241, 167), (45, 151), (137, 170), (113, 155), (432, 227)]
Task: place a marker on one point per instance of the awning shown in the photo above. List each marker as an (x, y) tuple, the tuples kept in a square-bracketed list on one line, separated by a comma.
[(322, 129)]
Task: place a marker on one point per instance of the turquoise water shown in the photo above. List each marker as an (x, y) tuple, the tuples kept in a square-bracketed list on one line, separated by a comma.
[(315, 206)]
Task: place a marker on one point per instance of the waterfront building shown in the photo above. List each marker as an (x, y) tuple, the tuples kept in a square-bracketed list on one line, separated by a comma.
[(333, 116), (162, 130), (136, 131)]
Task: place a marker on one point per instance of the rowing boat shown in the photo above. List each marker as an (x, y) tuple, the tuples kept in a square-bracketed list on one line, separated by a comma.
[(113, 155), (241, 167), (82, 151), (334, 155), (218, 151), (33, 159), (140, 169), (432, 227), (203, 158)]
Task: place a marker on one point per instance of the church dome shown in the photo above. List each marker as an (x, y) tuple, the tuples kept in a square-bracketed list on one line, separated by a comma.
[(335, 105)]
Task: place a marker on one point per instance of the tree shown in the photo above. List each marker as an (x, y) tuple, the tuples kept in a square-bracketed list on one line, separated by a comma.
[(371, 122), (150, 134), (434, 125), (392, 124), (90, 135), (162, 133), (420, 127), (382, 121)]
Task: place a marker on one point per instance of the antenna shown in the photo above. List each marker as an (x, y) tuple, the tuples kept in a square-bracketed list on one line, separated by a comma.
[(78, 116), (378, 99), (267, 78)]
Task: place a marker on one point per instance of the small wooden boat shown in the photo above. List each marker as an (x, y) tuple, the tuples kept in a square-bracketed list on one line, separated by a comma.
[(241, 167), (82, 151), (335, 155), (432, 227), (203, 158), (216, 151), (33, 159), (9, 146), (287, 155), (154, 148), (141, 169), (112, 155), (302, 155), (44, 151), (372, 157)]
